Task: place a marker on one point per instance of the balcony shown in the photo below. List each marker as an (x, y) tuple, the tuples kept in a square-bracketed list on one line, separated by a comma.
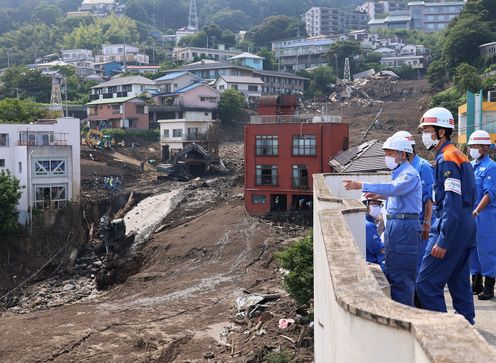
[(108, 95), (33, 138), (94, 97), (266, 180)]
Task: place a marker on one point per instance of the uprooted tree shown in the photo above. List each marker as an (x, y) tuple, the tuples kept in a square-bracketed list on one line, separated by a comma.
[(10, 193)]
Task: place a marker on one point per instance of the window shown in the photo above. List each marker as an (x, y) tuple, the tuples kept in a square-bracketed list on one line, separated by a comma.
[(50, 196), (221, 87), (193, 133), (253, 88), (140, 109), (258, 199), (234, 86), (116, 109), (166, 132), (4, 139), (177, 133), (2, 163), (266, 145), (304, 145), (266, 175), (50, 167), (19, 167), (300, 176)]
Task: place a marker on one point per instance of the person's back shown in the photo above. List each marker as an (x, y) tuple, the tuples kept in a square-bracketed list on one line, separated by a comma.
[(374, 245)]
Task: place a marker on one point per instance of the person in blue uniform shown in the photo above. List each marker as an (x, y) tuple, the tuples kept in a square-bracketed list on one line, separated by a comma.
[(426, 172), (403, 228), (374, 245), (452, 236), (483, 260)]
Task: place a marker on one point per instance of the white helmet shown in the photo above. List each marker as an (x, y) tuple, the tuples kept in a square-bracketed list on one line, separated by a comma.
[(398, 144), (479, 137), (438, 116), (406, 135)]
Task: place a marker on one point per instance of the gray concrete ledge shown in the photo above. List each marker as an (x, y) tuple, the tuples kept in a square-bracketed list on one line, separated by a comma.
[(442, 337)]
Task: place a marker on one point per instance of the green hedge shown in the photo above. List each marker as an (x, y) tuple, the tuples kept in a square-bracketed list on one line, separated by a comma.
[(127, 134)]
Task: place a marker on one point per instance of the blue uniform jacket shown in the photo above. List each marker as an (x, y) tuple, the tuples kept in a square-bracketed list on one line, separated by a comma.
[(375, 247), (426, 172), (404, 192), (485, 180), (454, 192)]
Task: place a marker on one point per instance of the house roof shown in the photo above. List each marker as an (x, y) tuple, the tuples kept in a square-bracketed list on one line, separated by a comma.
[(238, 79), (366, 157), (93, 2), (104, 101), (118, 81), (143, 67), (188, 88), (246, 55), (210, 64), (383, 50), (174, 75)]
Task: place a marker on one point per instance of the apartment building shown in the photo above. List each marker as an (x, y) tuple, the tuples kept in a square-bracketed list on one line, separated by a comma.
[(122, 53), (45, 157), (434, 16), (323, 21)]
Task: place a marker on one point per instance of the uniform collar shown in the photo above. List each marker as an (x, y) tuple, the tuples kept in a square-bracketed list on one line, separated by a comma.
[(415, 160), (443, 146), (480, 161), (400, 168), (369, 218)]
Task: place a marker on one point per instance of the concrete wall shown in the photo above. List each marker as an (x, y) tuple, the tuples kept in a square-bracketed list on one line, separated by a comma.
[(354, 320)]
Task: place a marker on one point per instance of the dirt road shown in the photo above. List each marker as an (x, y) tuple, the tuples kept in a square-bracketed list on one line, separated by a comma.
[(173, 309)]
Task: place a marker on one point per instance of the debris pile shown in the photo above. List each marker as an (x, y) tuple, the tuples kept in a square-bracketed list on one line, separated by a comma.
[(233, 156), (264, 325), (369, 91)]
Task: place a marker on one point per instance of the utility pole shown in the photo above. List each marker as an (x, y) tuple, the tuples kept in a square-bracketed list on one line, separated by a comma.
[(337, 71)]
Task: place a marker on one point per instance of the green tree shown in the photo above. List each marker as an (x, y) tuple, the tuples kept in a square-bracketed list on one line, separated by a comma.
[(9, 197), (14, 110), (26, 83), (345, 49), (298, 260), (275, 27), (269, 61), (467, 78), (234, 20), (47, 14), (450, 99), (437, 75), (321, 79), (230, 105)]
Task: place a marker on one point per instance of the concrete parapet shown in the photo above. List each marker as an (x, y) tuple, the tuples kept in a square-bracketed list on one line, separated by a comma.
[(354, 319)]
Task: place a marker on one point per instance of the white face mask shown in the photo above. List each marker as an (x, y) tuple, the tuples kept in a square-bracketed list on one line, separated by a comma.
[(391, 162), (427, 140), (375, 211), (475, 153)]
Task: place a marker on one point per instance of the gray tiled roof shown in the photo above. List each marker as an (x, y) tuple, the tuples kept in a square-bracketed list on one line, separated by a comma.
[(366, 157)]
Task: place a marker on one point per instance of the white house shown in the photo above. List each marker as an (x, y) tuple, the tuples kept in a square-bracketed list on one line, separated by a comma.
[(121, 53), (415, 61), (97, 6), (45, 157), (385, 52), (74, 55), (250, 87), (195, 127), (121, 87)]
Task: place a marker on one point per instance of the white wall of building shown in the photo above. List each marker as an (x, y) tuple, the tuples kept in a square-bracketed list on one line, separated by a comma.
[(175, 132), (20, 157)]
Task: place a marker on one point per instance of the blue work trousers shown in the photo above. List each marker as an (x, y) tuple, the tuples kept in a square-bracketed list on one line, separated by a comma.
[(453, 270), (483, 259), (402, 239)]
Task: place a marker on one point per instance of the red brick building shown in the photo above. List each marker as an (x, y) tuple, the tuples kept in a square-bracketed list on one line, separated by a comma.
[(280, 159)]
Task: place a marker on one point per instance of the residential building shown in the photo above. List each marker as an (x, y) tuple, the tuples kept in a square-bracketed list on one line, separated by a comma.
[(250, 87), (365, 158), (281, 158), (196, 127), (248, 60), (129, 86), (108, 69), (118, 112), (372, 7), (393, 21), (196, 96), (414, 61), (385, 52), (488, 49), (323, 21), (434, 16), (185, 32), (301, 53), (477, 114), (122, 53), (74, 55), (142, 69), (174, 81), (97, 7), (193, 54), (45, 157), (274, 82)]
